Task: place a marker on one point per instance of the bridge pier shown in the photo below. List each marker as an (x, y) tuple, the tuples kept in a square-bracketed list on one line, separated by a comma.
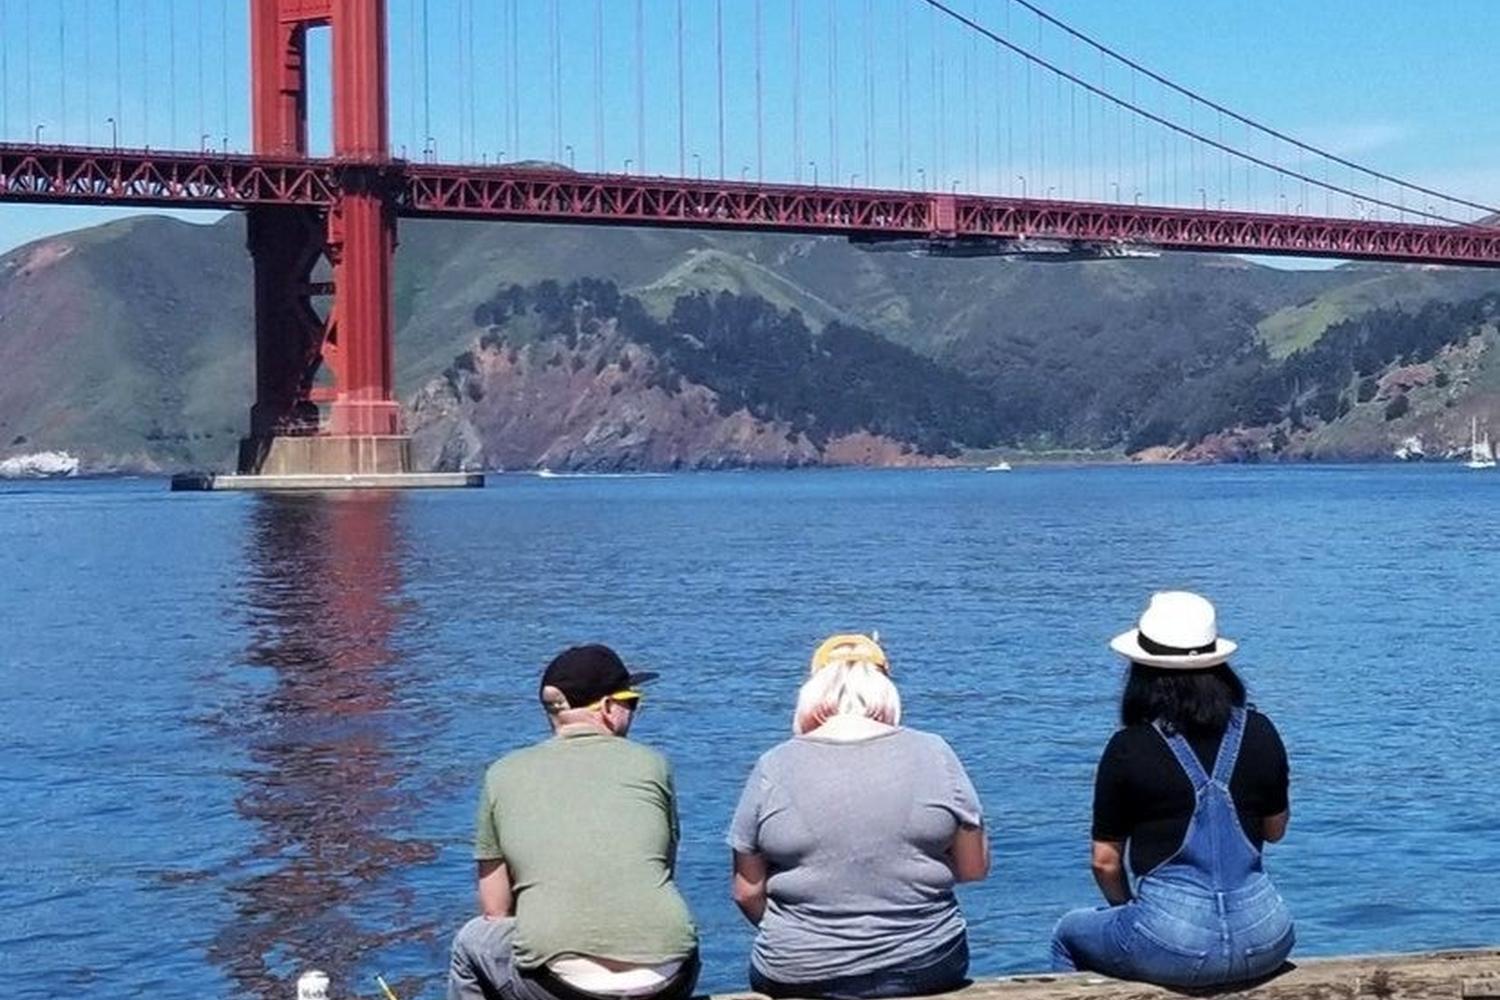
[(344, 358)]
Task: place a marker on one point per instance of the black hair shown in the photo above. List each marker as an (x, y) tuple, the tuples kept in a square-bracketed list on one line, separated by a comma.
[(1183, 701)]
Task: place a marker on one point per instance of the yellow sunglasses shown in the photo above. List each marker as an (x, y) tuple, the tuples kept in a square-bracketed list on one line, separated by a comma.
[(621, 696)]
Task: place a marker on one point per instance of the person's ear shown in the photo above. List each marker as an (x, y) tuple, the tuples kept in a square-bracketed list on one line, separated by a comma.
[(553, 700)]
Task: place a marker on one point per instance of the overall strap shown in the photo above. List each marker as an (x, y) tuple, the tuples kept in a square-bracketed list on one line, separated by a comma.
[(1185, 756), (1229, 747)]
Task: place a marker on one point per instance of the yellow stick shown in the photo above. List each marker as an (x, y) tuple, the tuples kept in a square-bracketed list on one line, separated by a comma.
[(390, 994)]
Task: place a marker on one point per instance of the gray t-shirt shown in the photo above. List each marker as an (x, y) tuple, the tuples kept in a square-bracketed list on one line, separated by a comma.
[(856, 837)]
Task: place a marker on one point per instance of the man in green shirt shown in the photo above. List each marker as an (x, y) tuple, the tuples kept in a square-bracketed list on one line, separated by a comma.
[(576, 842)]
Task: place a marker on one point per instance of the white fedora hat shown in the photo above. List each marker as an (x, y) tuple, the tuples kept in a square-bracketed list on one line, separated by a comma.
[(1178, 631)]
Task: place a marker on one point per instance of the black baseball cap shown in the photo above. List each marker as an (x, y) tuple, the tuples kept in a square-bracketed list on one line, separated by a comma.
[(587, 674)]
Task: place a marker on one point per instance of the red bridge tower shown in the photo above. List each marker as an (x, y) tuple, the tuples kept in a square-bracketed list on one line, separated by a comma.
[(297, 250)]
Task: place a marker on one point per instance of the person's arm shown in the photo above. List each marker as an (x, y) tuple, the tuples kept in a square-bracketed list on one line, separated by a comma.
[(749, 885), (1115, 800), (970, 855), (1109, 871), (495, 898), (1273, 826)]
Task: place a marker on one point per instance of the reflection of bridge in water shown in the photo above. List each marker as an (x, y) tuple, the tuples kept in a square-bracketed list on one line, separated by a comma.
[(324, 790)]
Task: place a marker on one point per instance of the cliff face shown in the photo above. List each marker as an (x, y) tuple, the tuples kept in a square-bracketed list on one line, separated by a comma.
[(604, 405)]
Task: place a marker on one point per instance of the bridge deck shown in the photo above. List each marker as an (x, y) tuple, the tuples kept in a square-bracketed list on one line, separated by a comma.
[(1448, 975)]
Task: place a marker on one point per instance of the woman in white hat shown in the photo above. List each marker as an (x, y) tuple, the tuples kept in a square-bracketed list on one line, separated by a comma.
[(1194, 784), (848, 840)]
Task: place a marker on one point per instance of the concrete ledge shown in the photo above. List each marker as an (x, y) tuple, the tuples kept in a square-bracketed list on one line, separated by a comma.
[(1447, 975), (207, 481)]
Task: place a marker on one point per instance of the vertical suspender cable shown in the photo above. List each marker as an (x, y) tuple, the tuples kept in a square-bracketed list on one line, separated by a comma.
[(411, 77), (145, 84), (26, 25), (906, 96), (869, 93), (719, 57), (760, 147), (796, 91), (640, 85), (833, 90), (1002, 166), (932, 89), (201, 42), (468, 44), (88, 73), (556, 36), (514, 85), (599, 86), (427, 138), (62, 81), (4, 75), (172, 73), (224, 71), (968, 102), (502, 49), (1041, 122), (463, 81), (1010, 111), (681, 103)]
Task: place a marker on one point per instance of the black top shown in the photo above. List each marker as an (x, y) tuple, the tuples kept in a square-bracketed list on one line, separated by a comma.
[(1141, 793)]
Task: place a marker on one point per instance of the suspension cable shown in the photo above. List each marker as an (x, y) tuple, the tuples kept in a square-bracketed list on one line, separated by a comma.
[(1248, 158)]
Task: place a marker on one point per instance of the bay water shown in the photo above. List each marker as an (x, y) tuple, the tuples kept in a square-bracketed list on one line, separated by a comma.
[(242, 735)]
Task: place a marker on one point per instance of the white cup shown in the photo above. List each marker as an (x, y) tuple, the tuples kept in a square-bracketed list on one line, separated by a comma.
[(312, 985)]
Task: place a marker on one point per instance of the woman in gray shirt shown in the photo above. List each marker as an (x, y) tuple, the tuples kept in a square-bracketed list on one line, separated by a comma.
[(848, 840)]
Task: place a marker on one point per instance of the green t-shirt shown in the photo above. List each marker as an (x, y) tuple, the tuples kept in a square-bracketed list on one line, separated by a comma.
[(586, 823)]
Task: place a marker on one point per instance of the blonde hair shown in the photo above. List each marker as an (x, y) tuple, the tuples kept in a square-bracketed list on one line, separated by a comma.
[(846, 687)]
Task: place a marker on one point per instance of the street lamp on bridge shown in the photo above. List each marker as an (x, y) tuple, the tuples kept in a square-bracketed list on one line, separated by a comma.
[(628, 162), (114, 133), (1203, 199), (37, 134), (571, 158), (698, 165), (1116, 185), (745, 174), (922, 175), (1022, 179), (852, 179), (814, 165), (1138, 196)]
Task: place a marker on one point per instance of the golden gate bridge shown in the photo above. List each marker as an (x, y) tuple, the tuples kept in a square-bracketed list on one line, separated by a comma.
[(1138, 162)]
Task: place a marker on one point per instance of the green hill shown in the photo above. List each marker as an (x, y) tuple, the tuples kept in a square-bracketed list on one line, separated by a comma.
[(130, 344)]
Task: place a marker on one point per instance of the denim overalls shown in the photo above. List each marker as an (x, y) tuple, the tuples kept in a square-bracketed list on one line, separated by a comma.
[(1205, 916)]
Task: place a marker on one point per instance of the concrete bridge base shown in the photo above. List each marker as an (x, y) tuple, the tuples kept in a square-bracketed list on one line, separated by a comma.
[(305, 482), (326, 462), (325, 455)]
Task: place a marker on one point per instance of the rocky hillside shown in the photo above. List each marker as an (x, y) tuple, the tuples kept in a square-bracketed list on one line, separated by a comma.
[(129, 344), (581, 377)]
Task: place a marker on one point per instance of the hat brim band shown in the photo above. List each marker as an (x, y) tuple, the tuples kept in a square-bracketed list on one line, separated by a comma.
[(1128, 645)]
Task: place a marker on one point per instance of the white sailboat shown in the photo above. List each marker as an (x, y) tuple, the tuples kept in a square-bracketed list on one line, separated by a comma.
[(1481, 455)]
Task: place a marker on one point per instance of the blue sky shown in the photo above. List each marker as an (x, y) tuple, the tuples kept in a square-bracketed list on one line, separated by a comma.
[(1398, 85)]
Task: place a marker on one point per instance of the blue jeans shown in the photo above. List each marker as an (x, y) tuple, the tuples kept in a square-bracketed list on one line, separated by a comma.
[(1179, 936), (944, 968)]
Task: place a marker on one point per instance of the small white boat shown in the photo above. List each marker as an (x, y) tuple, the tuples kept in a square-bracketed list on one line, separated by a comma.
[(1000, 466), (1481, 455)]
